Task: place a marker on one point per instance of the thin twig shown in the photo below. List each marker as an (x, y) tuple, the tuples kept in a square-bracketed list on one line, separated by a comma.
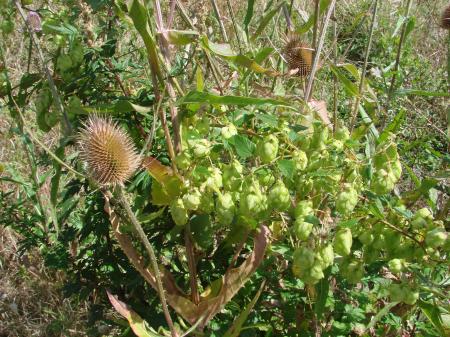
[(315, 64), (364, 70), (316, 24), (151, 252), (56, 98)]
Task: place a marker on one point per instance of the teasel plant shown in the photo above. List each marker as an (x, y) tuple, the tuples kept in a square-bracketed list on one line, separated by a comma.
[(111, 159)]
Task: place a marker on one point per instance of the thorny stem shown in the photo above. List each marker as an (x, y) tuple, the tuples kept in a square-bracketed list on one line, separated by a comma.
[(399, 53), (316, 24), (364, 70), (151, 252), (236, 32), (56, 98), (219, 18), (192, 265), (315, 64)]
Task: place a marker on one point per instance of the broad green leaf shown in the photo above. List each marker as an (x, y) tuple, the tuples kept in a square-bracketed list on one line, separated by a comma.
[(287, 167), (265, 21), (244, 146), (208, 98), (221, 49), (235, 329), (398, 25), (433, 314), (166, 186), (137, 324)]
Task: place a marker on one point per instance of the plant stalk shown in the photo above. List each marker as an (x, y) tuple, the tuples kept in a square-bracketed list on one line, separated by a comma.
[(399, 53), (315, 64), (219, 18), (151, 252), (364, 70)]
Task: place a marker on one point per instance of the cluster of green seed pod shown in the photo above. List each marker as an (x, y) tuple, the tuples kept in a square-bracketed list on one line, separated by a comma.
[(309, 264), (387, 168)]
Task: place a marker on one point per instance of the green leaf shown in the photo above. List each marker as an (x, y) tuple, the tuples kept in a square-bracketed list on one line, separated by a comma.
[(349, 87), (182, 37), (235, 329), (126, 106), (248, 14), (205, 97), (410, 26), (433, 314), (322, 289), (225, 51), (202, 230), (307, 26), (265, 21), (244, 146), (393, 126), (418, 92), (286, 167), (137, 324)]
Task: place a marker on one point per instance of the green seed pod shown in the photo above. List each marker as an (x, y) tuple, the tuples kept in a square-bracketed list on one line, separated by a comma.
[(343, 242), (422, 218), (303, 209), (179, 212), (214, 179), (200, 147), (397, 292), (300, 159), (391, 152), (303, 259), (342, 134), (315, 274), (382, 182), (302, 229), (253, 204), (436, 238), (304, 186), (225, 209), (191, 200), (366, 237), (183, 160), (346, 200), (265, 177), (76, 53), (396, 169), (267, 149), (7, 26), (206, 202), (279, 197), (396, 265), (411, 297), (232, 176), (64, 63), (228, 131), (325, 256)]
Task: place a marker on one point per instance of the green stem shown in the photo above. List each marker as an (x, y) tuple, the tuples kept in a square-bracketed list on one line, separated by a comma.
[(151, 252), (364, 70)]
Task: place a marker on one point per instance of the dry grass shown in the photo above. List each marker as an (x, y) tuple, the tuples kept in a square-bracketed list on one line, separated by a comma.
[(31, 303)]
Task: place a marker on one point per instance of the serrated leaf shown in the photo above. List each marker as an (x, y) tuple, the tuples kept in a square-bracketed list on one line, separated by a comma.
[(287, 167), (244, 146)]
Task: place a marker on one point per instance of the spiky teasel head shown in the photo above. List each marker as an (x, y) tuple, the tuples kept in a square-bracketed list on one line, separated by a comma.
[(298, 55), (445, 20), (108, 151)]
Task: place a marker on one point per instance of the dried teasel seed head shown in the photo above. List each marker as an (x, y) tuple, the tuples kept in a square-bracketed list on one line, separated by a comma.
[(445, 20), (108, 151), (298, 55)]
